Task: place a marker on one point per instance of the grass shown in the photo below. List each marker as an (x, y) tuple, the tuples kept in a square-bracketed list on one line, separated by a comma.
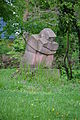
[(42, 96)]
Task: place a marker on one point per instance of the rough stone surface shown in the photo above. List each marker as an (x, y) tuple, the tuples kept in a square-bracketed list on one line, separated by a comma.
[(47, 33), (53, 46), (40, 49), (30, 49)]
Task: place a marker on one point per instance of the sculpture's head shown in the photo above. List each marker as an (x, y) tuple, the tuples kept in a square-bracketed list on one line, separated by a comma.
[(48, 34)]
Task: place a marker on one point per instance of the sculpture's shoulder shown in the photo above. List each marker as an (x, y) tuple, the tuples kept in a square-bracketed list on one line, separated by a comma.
[(26, 35)]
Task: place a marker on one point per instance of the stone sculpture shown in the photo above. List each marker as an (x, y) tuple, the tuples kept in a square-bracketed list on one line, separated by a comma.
[(40, 49)]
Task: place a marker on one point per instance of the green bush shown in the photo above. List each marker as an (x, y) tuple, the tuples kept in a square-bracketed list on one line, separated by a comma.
[(5, 46), (19, 45)]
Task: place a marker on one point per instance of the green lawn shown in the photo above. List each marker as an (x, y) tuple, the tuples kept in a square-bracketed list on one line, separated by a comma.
[(38, 97)]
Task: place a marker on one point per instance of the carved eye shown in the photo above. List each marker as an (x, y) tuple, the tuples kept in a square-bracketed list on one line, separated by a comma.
[(51, 39)]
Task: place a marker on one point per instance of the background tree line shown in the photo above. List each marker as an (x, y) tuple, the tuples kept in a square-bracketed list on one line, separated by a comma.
[(62, 16)]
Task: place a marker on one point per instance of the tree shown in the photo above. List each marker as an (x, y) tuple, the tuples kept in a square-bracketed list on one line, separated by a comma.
[(68, 24), (77, 24), (12, 12), (6, 9)]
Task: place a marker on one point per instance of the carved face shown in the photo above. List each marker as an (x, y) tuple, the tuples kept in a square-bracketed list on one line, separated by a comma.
[(51, 39)]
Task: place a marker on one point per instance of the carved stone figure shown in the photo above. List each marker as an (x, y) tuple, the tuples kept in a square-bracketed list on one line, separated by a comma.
[(40, 49)]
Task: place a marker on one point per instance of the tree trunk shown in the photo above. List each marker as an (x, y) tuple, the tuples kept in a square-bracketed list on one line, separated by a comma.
[(66, 57), (26, 12)]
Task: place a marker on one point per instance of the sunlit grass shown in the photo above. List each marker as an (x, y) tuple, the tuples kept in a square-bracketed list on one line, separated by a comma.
[(40, 96)]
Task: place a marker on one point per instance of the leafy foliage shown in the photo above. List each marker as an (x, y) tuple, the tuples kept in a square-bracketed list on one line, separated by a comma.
[(61, 16), (5, 7), (13, 15), (19, 45)]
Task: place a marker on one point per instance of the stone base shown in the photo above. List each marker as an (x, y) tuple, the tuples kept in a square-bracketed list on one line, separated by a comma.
[(35, 59)]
